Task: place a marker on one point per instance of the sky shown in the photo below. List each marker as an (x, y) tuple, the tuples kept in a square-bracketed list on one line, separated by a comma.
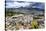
[(15, 4), (19, 0)]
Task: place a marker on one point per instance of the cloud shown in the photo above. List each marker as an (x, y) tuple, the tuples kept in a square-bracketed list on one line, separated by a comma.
[(16, 4)]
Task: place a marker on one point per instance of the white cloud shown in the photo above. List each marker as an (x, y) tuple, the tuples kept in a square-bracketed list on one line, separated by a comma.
[(16, 4)]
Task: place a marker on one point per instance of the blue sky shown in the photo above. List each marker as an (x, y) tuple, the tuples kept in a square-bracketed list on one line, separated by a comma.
[(14, 4)]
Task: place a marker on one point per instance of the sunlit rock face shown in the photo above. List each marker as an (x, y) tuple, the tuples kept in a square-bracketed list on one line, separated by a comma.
[(16, 19), (22, 18)]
